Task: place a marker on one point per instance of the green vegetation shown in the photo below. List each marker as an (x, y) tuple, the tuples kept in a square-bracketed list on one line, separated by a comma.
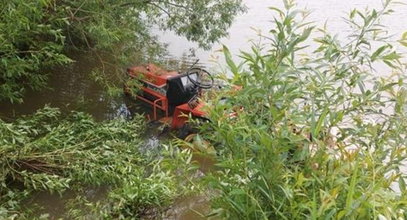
[(318, 134), (326, 137), (35, 33), (51, 152)]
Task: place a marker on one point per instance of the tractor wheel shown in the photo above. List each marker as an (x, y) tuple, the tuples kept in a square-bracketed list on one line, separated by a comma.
[(185, 130)]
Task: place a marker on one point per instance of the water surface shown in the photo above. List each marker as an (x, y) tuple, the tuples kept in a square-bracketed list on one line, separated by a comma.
[(259, 18)]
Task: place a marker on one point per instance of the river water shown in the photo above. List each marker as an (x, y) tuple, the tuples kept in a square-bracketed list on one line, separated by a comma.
[(71, 87), (259, 17)]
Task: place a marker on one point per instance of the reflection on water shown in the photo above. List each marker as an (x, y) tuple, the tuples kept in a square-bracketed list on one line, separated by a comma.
[(189, 208), (56, 206), (71, 88)]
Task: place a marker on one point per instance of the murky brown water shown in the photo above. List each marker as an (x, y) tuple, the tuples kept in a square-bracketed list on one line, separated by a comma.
[(72, 88), (189, 208), (56, 206)]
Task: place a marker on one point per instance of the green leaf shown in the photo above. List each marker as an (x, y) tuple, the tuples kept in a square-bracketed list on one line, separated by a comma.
[(280, 12), (352, 14), (403, 42), (351, 189), (402, 186), (392, 56), (229, 61), (378, 52), (305, 34), (320, 122)]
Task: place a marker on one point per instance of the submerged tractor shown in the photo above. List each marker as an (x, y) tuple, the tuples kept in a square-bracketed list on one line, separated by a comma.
[(172, 96)]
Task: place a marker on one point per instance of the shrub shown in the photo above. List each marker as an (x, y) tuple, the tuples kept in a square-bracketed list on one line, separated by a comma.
[(320, 135), (51, 152)]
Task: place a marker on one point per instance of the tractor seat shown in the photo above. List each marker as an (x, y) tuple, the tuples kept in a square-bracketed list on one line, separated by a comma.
[(180, 89)]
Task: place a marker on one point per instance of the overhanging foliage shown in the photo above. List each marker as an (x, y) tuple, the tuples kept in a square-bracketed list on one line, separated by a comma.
[(34, 33)]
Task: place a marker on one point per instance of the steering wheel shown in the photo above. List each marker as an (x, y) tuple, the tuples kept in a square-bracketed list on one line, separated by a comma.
[(200, 73)]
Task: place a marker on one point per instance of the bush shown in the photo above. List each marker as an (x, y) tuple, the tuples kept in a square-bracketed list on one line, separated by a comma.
[(53, 153), (319, 135)]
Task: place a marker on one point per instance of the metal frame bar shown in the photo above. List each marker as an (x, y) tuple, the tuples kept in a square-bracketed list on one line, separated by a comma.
[(155, 103)]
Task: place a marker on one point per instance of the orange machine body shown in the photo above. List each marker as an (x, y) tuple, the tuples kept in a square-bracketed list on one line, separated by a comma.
[(167, 92)]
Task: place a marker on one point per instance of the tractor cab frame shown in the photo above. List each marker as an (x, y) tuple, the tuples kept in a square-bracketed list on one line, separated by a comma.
[(172, 94)]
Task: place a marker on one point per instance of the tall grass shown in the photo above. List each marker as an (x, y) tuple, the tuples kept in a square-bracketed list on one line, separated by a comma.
[(319, 135)]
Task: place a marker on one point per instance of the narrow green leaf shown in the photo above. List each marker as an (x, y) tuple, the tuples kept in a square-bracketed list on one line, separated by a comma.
[(305, 34), (351, 189), (378, 52), (229, 61), (402, 186), (392, 56), (320, 122), (403, 42)]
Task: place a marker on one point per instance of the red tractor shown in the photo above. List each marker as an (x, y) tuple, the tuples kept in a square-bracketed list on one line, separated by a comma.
[(172, 95)]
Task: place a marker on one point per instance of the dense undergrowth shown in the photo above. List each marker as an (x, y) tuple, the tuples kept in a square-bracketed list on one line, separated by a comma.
[(319, 134), (51, 152)]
